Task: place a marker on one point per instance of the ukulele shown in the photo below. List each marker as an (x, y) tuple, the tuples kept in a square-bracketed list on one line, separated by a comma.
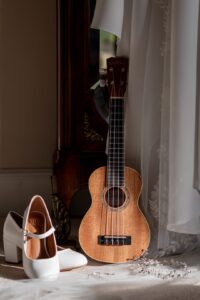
[(114, 230)]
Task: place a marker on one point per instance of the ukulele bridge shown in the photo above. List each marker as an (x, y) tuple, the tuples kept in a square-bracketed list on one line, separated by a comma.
[(114, 240)]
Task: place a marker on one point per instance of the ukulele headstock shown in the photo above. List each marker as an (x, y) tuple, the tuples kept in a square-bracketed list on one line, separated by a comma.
[(117, 69)]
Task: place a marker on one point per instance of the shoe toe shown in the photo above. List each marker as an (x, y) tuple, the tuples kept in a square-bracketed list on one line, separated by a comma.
[(70, 259)]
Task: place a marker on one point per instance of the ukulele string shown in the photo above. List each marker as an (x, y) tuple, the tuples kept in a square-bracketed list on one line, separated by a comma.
[(107, 231), (102, 213), (107, 176), (104, 206), (114, 154), (123, 160), (119, 138)]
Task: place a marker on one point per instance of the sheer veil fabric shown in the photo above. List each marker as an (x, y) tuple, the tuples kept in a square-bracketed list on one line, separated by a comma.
[(160, 37)]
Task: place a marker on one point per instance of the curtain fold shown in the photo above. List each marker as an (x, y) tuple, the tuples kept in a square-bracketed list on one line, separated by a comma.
[(197, 127), (184, 200)]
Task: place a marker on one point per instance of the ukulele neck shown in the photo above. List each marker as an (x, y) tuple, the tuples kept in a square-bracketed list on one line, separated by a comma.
[(116, 155)]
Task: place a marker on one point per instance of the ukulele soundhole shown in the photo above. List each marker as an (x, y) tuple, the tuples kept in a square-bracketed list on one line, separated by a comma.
[(115, 197)]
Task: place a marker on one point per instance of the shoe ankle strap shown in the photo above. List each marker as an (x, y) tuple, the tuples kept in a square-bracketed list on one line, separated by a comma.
[(39, 236)]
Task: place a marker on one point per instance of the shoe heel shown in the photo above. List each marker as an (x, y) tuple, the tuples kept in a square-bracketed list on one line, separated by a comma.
[(12, 253)]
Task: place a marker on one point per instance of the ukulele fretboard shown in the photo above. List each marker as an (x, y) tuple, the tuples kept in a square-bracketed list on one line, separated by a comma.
[(115, 161)]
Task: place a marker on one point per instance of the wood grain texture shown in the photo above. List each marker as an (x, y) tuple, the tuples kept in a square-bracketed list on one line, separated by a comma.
[(103, 220)]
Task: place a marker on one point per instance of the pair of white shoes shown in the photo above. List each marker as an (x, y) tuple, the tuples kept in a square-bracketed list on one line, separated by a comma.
[(32, 240)]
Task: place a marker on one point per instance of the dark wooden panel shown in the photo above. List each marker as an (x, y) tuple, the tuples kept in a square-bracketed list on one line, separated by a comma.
[(81, 129)]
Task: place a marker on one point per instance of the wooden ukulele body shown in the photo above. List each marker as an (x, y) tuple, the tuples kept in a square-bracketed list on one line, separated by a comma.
[(126, 220)]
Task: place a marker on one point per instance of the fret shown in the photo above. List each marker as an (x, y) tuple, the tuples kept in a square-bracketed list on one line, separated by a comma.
[(115, 155), (116, 119), (116, 158), (116, 174), (116, 140), (114, 127), (114, 148), (112, 179), (117, 129), (117, 152), (114, 168), (119, 181), (116, 164), (115, 179), (113, 163), (116, 123), (116, 143), (115, 116), (115, 137), (116, 133), (116, 182)]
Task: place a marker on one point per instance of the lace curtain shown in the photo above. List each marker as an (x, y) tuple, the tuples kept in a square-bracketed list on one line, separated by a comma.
[(160, 39)]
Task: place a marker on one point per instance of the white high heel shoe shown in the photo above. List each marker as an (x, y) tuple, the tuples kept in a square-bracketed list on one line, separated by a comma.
[(12, 238), (40, 257)]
